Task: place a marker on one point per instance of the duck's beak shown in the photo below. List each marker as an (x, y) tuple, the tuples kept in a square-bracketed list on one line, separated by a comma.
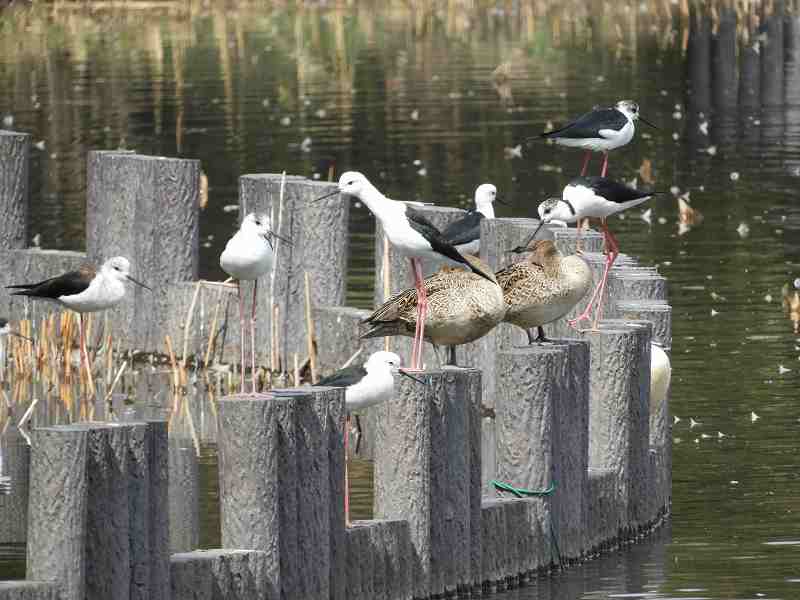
[(333, 193), (402, 372), (137, 282), (643, 120)]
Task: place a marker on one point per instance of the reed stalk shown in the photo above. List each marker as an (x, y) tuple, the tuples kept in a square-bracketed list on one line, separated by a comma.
[(312, 354)]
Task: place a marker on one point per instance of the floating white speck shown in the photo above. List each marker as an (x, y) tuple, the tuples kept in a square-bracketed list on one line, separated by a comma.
[(693, 423), (677, 115), (797, 283), (676, 419), (743, 230), (677, 106), (664, 92), (230, 208), (647, 216), (265, 102), (321, 113), (316, 176), (305, 145), (675, 190), (8, 121), (782, 370), (414, 115), (515, 152), (754, 417), (711, 150), (37, 240), (662, 220), (417, 162), (714, 313), (703, 127), (734, 482), (675, 136), (600, 78), (721, 435), (286, 121), (696, 440), (422, 172), (768, 298), (734, 176)]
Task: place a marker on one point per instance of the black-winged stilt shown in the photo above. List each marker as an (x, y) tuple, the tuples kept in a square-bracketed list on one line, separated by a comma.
[(586, 198), (413, 236), (544, 287), (366, 385), (248, 255), (464, 234), (462, 307), (600, 130), (84, 290)]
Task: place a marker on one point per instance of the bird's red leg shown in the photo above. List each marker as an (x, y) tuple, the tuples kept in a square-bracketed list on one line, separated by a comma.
[(605, 165), (422, 310), (346, 474), (242, 337), (253, 336), (612, 251), (586, 163)]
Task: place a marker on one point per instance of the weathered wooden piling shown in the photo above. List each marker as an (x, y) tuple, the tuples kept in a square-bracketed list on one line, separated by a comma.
[(619, 436), (16, 455), (379, 560), (337, 331), (29, 590), (89, 529), (216, 574), (184, 496), (275, 469), (125, 215), (658, 312), (423, 472), (318, 246), (14, 184)]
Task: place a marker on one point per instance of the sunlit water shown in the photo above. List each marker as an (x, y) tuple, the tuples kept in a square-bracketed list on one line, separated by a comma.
[(421, 114)]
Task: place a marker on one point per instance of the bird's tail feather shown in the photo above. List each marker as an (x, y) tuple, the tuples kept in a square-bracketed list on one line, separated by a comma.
[(385, 329)]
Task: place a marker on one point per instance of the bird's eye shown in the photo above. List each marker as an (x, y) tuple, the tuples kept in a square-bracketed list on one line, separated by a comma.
[(547, 211), (351, 182), (258, 223)]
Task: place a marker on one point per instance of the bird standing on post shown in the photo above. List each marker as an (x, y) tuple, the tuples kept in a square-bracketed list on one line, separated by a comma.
[(84, 290), (592, 197), (464, 234), (413, 236), (542, 288), (600, 130), (463, 308), (365, 385), (248, 255)]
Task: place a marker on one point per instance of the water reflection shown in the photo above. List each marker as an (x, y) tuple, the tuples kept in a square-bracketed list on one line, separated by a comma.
[(430, 102)]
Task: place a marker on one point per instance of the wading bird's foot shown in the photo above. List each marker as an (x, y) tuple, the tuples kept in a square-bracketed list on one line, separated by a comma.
[(585, 316)]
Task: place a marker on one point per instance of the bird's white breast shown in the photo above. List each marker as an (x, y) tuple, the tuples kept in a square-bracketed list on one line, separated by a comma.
[(246, 256), (103, 292), (373, 389)]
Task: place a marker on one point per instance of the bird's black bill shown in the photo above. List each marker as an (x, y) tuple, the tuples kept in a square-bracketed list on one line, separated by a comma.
[(19, 335), (503, 202), (333, 193), (272, 234), (410, 376), (643, 120), (137, 282), (533, 237)]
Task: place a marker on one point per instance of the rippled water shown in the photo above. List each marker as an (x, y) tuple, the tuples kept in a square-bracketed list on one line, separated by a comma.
[(410, 99)]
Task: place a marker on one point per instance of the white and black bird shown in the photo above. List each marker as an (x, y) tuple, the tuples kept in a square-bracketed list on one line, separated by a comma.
[(587, 198), (248, 255), (365, 385), (412, 235), (84, 290), (465, 233), (600, 130)]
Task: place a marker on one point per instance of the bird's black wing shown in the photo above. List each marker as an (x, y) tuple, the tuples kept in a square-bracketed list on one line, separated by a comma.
[(465, 230), (344, 377), (68, 284), (590, 124), (611, 190), (429, 231)]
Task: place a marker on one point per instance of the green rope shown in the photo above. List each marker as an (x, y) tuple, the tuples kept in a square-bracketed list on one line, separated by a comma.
[(502, 486)]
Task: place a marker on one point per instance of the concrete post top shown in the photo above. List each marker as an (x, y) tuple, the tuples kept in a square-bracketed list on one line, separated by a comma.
[(625, 325), (213, 553), (14, 133), (650, 305), (271, 396), (536, 349), (78, 427)]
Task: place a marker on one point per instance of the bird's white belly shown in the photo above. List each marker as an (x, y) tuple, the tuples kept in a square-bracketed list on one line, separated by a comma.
[(371, 390), (246, 257), (410, 243), (98, 296), (609, 139)]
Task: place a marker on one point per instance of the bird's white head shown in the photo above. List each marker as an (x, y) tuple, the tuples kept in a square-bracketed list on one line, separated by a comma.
[(354, 183), (485, 195), (257, 223), (629, 108), (5, 327), (556, 211), (119, 269), (380, 361)]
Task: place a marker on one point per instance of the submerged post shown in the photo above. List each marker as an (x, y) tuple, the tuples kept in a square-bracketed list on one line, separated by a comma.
[(14, 173)]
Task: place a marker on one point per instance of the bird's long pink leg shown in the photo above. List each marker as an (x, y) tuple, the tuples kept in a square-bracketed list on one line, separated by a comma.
[(586, 163), (605, 165), (346, 474), (422, 309), (242, 338), (612, 251), (253, 336), (84, 353)]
